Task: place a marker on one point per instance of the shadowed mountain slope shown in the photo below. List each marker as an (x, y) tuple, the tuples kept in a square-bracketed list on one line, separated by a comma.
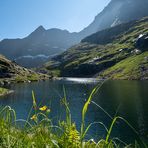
[(120, 52)]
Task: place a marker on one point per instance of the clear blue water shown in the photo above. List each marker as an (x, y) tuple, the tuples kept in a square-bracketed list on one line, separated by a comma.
[(130, 96)]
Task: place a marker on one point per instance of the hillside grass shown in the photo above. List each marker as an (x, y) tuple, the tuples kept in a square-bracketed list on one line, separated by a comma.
[(38, 130), (130, 68), (30, 77), (118, 52)]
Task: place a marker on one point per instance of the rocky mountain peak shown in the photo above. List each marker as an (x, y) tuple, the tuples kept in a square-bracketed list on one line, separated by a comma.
[(115, 13), (40, 28)]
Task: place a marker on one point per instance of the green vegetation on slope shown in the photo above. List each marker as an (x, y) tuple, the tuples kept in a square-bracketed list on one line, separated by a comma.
[(29, 77), (103, 51), (11, 72), (136, 69)]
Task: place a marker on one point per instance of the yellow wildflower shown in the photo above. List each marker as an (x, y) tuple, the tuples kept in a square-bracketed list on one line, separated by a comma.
[(44, 108), (34, 117)]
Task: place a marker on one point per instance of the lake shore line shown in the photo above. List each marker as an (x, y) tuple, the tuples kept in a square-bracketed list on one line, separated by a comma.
[(5, 81)]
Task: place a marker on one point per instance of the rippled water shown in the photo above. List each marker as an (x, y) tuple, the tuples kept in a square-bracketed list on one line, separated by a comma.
[(129, 97)]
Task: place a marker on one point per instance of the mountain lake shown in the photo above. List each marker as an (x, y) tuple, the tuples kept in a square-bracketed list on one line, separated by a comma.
[(128, 99)]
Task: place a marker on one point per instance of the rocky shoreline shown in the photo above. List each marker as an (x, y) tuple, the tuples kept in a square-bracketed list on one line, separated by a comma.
[(7, 81), (4, 91)]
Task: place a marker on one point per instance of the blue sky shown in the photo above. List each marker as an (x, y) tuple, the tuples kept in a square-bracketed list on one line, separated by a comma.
[(18, 18)]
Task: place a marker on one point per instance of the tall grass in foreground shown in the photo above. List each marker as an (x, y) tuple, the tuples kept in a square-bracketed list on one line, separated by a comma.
[(39, 131)]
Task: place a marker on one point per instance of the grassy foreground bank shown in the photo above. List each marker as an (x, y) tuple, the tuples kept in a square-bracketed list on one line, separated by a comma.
[(39, 132)]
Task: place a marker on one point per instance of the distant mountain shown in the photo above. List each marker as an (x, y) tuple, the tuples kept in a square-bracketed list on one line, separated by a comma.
[(115, 13), (39, 46), (42, 44)]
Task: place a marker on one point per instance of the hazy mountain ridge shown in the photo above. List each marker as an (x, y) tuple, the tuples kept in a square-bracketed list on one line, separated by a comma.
[(108, 35), (117, 12), (40, 42)]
